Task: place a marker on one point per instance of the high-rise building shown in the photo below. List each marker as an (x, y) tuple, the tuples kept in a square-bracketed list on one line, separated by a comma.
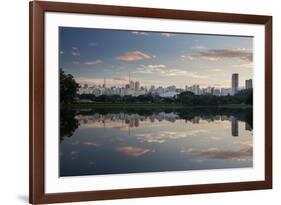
[(137, 85), (104, 83), (249, 84), (132, 85), (235, 83)]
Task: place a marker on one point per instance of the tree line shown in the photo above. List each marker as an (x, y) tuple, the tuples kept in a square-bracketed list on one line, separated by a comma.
[(186, 98)]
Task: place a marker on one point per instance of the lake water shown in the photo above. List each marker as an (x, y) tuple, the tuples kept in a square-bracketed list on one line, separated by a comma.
[(95, 142)]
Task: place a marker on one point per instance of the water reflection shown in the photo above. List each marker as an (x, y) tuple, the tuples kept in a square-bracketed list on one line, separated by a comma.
[(132, 141)]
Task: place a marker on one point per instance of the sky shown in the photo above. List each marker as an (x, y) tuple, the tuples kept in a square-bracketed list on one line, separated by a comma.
[(154, 58)]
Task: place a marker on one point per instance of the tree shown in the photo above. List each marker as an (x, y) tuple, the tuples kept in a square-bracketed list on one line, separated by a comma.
[(246, 96), (68, 88)]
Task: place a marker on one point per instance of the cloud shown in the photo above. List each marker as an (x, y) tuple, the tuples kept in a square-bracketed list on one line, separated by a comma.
[(156, 66), (133, 56), (92, 44), (125, 78), (243, 54), (132, 151), (94, 144), (140, 33), (75, 53), (245, 153), (198, 47), (94, 62), (75, 62), (216, 70), (244, 65), (162, 70), (168, 35)]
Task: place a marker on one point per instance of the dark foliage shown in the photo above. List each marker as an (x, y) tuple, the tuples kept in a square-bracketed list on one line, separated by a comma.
[(186, 98), (68, 88)]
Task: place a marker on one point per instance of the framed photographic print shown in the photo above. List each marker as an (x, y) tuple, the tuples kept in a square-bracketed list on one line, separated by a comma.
[(139, 102)]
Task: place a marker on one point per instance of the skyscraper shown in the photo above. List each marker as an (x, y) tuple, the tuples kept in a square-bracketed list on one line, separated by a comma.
[(235, 83), (137, 85), (132, 85), (249, 84), (104, 83)]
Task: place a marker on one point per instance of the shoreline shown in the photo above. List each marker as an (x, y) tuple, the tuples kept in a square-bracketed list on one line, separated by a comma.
[(151, 105)]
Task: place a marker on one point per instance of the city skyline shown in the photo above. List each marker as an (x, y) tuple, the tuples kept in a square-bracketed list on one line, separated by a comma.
[(134, 88), (154, 58)]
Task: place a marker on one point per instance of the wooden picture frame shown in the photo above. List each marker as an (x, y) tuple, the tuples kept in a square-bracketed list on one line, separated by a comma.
[(38, 9)]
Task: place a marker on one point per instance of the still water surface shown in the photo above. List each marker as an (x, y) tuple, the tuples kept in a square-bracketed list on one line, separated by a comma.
[(95, 142)]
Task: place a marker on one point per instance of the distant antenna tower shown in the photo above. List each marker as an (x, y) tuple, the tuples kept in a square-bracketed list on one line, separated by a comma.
[(104, 83), (129, 77)]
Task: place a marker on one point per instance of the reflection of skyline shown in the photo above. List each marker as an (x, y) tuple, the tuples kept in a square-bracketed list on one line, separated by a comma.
[(124, 121), (234, 127), (143, 141)]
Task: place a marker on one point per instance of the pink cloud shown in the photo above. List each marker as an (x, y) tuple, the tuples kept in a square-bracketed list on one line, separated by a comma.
[(94, 62), (132, 151), (133, 56)]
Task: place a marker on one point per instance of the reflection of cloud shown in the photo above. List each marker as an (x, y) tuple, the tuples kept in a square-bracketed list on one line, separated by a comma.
[(246, 143), (133, 56), (132, 151), (91, 163), (74, 152), (215, 138), (243, 154), (221, 54), (94, 62), (161, 137), (74, 155), (92, 144), (164, 71)]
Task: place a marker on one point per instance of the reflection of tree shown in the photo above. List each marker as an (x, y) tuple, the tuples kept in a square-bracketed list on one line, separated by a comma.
[(189, 114), (249, 118), (68, 123)]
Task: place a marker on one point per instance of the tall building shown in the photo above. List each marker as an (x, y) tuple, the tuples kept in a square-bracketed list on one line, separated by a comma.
[(104, 83), (235, 83), (137, 85), (249, 84), (132, 85)]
